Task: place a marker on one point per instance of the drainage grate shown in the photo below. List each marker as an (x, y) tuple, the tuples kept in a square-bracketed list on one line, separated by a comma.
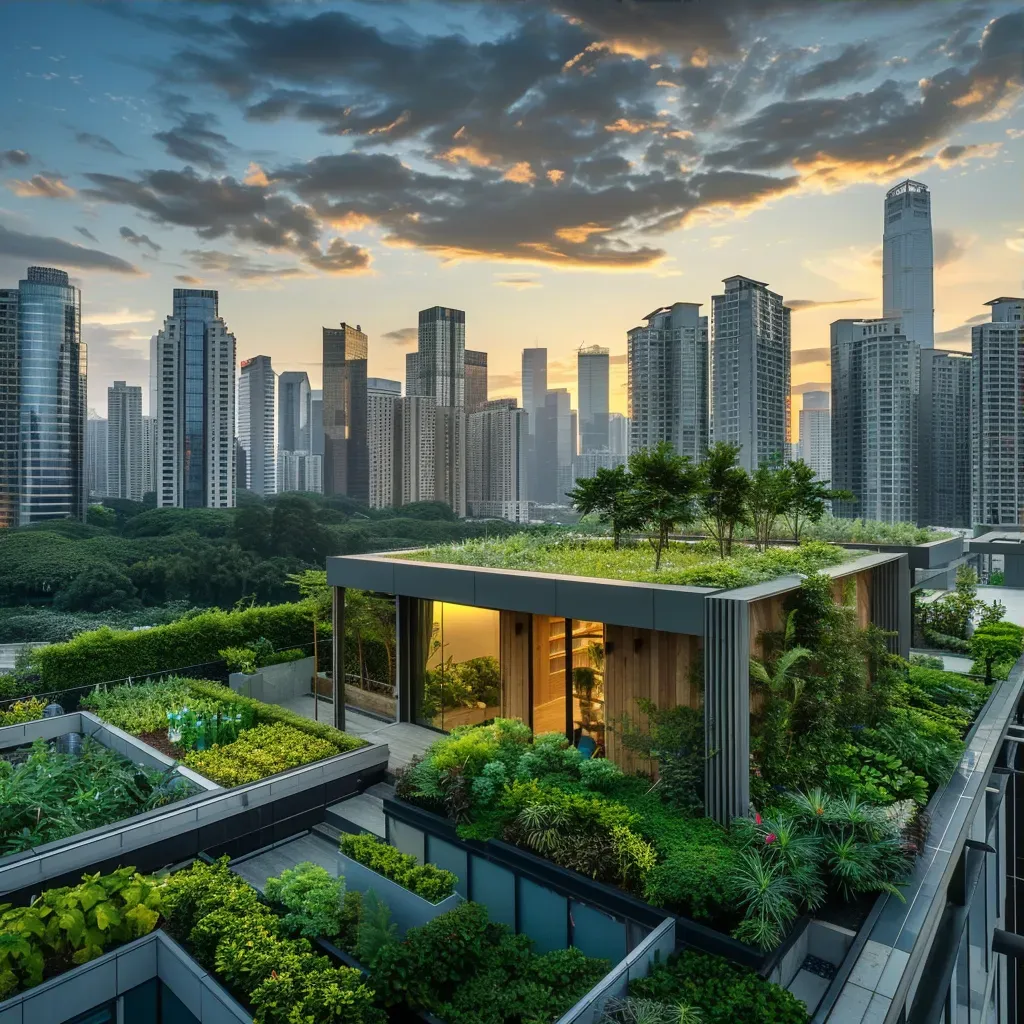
[(822, 968)]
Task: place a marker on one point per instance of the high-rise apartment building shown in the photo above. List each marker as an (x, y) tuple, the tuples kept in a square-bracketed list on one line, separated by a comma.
[(750, 371), (316, 421), (556, 447), (815, 445), (192, 398), (96, 436), (415, 435), (496, 460), (907, 261), (592, 368), (412, 374), (294, 412), (997, 415), (9, 437), (875, 391), (52, 387), (476, 380), (667, 380), (450, 457), (148, 455), (124, 441), (300, 471), (534, 382), (256, 425), (346, 452), (618, 433), (944, 439), (440, 361), (381, 396)]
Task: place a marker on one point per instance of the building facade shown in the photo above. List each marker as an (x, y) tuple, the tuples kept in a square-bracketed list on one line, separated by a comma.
[(450, 457), (476, 380), (294, 412), (907, 261), (667, 380), (192, 398), (534, 386), (346, 452), (9, 435), (555, 445), (496, 462), (381, 395), (440, 363), (256, 425), (124, 442), (592, 370), (944, 439), (96, 434), (815, 446), (997, 415), (876, 374), (413, 467), (316, 418), (750, 371), (300, 471), (618, 433), (148, 455)]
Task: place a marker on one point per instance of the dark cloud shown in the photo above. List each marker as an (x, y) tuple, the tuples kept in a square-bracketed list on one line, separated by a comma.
[(86, 233), (14, 158), (402, 336), (100, 142), (798, 305), (195, 142), (803, 356), (518, 281), (58, 253), (855, 62), (239, 266), (133, 239)]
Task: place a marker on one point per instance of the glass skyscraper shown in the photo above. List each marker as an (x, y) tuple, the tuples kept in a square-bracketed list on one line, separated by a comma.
[(51, 398)]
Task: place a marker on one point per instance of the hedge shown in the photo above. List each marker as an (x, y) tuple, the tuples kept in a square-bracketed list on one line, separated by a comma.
[(103, 655)]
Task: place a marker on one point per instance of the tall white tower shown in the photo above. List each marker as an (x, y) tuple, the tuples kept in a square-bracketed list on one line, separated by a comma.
[(908, 292)]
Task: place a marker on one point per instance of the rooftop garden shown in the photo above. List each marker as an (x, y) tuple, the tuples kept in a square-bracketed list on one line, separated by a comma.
[(848, 744), (227, 738)]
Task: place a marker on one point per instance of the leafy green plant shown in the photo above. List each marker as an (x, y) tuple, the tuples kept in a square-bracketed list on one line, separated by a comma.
[(875, 775), (313, 900), (426, 880), (239, 659), (376, 929), (927, 661), (648, 1011), (996, 643), (22, 711)]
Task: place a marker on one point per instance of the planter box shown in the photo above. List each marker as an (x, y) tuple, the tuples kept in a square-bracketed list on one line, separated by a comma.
[(366, 700), (275, 684), (407, 909)]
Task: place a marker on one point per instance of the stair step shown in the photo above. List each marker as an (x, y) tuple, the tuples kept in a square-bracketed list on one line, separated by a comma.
[(360, 813)]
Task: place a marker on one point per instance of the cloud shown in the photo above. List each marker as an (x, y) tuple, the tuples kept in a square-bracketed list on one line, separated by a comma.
[(118, 317), (950, 156), (855, 61), (949, 246), (100, 142), (58, 253), (41, 186), (961, 335), (239, 266), (187, 279), (518, 281), (799, 305), (402, 336), (800, 389), (14, 158), (115, 353), (86, 233), (133, 239), (803, 356), (1017, 243), (195, 142)]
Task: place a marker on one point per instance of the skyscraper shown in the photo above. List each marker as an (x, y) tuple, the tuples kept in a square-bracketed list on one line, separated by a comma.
[(148, 454), (415, 435), (256, 433), (875, 390), (192, 397), (299, 471), (750, 363), (496, 475), (441, 356), (476, 380), (667, 380), (294, 412), (381, 395), (944, 439), (997, 415), (124, 441), (9, 440), (592, 364), (96, 437), (534, 383), (556, 447), (51, 398), (346, 453), (618, 433), (316, 416), (450, 457), (815, 446), (907, 288)]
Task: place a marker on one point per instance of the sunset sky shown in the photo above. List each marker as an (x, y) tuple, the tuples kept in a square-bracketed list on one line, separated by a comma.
[(557, 169)]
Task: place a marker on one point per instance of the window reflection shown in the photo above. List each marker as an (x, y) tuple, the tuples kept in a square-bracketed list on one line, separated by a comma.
[(549, 675), (588, 686)]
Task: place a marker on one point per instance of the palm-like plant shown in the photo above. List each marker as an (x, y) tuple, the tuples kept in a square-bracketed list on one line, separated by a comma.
[(768, 894), (648, 1011)]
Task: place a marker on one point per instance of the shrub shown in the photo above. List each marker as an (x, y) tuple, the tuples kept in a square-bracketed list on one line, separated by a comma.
[(239, 659), (428, 881), (22, 711), (313, 899), (927, 661)]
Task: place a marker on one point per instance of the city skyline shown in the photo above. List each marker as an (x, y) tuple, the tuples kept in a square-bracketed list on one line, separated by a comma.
[(99, 146)]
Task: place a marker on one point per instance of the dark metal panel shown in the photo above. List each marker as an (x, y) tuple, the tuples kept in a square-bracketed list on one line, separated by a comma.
[(624, 604), (516, 592), (377, 574), (456, 584), (679, 611)]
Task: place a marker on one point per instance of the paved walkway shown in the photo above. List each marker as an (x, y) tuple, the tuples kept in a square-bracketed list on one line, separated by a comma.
[(404, 739)]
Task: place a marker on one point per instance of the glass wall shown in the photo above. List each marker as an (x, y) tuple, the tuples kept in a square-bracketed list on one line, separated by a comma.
[(461, 679), (588, 684)]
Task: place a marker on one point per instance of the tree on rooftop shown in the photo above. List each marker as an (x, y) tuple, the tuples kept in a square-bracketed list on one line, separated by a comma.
[(768, 499), (665, 490), (608, 495), (808, 497), (724, 488), (997, 643)]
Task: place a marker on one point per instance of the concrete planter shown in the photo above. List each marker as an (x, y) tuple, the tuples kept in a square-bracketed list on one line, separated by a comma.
[(407, 909), (275, 684)]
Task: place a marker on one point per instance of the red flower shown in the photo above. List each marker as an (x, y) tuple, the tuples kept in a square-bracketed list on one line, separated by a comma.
[(770, 838), (757, 817)]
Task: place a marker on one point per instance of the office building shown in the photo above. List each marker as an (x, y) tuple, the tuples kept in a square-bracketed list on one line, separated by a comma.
[(299, 471), (294, 412), (192, 397), (9, 439), (592, 367), (256, 425), (667, 380), (346, 453), (52, 387), (944, 439), (124, 441), (815, 445), (618, 433), (496, 462), (875, 392), (534, 383), (750, 371), (440, 363), (413, 467), (316, 420), (450, 457), (412, 374), (997, 415), (381, 395), (907, 261), (96, 436), (555, 444), (148, 455), (476, 380)]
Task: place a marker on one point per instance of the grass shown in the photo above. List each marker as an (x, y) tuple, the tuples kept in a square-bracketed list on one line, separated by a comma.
[(695, 565)]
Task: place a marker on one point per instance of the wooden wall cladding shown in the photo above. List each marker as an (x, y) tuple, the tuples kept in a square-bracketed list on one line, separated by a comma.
[(514, 657)]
